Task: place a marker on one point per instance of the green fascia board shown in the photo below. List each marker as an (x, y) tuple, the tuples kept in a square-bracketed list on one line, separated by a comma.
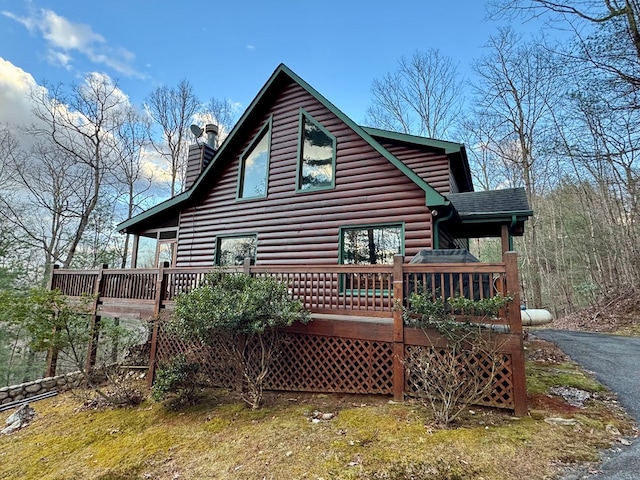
[(432, 197), (444, 145), (163, 206), (498, 216)]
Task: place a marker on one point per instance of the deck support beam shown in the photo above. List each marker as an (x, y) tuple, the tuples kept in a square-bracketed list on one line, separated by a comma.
[(398, 329), (52, 354), (94, 332), (515, 326), (160, 289)]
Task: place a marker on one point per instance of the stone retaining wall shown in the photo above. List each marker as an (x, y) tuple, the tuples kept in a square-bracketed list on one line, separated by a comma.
[(43, 385)]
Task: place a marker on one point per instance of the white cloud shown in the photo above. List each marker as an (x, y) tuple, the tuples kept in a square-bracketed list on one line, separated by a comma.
[(62, 33), (65, 37), (58, 58), (15, 88)]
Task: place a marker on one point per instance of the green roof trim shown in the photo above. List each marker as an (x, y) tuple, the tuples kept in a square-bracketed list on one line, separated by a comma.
[(499, 216), (141, 217), (444, 145), (432, 197)]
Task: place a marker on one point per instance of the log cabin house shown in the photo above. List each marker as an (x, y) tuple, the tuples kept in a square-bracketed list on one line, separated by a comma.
[(337, 210)]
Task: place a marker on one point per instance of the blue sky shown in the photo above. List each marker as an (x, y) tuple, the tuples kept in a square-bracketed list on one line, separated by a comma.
[(229, 49)]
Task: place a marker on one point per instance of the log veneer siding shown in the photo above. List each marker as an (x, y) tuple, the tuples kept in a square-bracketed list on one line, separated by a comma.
[(303, 227)]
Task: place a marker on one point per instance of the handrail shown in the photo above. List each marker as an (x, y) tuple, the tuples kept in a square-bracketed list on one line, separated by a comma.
[(344, 289)]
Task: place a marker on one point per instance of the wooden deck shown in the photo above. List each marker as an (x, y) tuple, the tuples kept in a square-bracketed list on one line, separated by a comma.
[(357, 340)]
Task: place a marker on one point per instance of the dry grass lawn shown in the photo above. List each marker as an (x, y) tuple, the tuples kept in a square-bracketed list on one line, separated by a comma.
[(368, 438)]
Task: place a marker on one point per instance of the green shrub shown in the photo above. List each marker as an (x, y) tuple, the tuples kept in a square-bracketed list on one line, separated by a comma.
[(176, 377), (450, 379), (241, 314)]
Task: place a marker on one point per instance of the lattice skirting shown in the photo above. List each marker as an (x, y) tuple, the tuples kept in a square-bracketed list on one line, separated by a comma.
[(316, 363), (499, 372)]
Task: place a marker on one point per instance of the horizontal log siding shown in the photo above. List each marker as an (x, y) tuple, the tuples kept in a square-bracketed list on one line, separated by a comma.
[(431, 167), (303, 228)]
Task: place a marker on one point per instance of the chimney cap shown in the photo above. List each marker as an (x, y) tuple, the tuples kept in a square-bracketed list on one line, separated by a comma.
[(212, 133)]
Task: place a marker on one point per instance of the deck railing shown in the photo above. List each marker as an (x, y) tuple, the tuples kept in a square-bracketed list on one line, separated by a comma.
[(366, 290), (366, 295)]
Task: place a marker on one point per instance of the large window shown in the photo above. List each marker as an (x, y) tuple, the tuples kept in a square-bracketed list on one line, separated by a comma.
[(371, 245), (232, 250), (316, 156), (254, 166)]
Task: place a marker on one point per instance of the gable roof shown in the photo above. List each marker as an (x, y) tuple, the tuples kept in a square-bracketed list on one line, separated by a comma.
[(455, 151), (280, 76)]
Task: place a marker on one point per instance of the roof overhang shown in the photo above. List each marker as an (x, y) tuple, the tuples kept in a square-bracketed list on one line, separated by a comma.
[(483, 214)]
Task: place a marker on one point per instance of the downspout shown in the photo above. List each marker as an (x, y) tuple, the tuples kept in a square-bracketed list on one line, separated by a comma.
[(436, 227)]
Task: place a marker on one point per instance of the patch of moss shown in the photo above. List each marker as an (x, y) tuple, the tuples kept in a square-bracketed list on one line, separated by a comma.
[(541, 377), (222, 438)]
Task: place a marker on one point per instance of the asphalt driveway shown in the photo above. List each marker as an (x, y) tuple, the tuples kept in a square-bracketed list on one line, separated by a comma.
[(615, 362)]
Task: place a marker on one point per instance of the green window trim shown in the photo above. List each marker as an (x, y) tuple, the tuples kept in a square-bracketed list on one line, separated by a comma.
[(263, 140), (344, 288), (303, 163), (241, 250)]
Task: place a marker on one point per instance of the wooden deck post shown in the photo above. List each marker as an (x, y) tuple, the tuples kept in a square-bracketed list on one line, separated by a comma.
[(398, 329), (94, 328), (160, 289), (52, 354), (504, 238), (239, 381), (515, 326), (513, 289), (134, 251)]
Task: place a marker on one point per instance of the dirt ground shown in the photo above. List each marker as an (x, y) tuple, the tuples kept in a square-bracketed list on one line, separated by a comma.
[(615, 314)]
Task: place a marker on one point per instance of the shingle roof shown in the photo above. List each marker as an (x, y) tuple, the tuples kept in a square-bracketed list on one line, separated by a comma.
[(508, 201)]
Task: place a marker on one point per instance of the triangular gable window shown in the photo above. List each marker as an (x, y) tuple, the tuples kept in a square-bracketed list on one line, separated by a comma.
[(316, 155)]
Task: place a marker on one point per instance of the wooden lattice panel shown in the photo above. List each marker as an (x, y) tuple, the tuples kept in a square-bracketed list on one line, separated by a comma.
[(315, 363), (214, 367), (501, 393)]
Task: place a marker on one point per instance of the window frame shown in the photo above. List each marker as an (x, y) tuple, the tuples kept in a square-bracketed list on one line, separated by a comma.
[(302, 115), (265, 130), (342, 278), (219, 238)]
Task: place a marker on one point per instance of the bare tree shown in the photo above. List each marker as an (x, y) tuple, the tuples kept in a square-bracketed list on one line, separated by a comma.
[(423, 96), (515, 97), (172, 109), (82, 124), (602, 145), (611, 41), (222, 114), (48, 191), (131, 181), (57, 186), (9, 150)]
